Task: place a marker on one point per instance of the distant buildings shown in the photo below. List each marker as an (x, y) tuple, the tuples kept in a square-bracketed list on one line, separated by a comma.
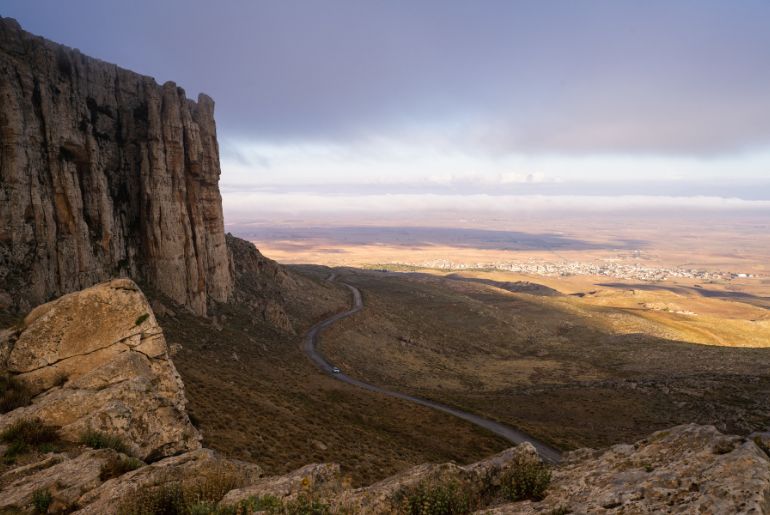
[(609, 269)]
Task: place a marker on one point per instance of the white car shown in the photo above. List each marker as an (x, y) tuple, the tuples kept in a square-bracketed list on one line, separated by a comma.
[(335, 370)]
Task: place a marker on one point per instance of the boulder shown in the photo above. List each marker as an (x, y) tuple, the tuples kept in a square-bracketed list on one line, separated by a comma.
[(97, 360)]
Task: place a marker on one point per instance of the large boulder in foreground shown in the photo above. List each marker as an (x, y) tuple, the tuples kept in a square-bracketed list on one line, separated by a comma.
[(97, 360), (685, 469)]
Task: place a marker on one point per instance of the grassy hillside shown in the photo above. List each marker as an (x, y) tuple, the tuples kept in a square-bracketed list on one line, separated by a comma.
[(571, 370), (256, 397)]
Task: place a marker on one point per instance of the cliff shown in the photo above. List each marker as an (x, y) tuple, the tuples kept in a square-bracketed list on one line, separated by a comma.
[(104, 173)]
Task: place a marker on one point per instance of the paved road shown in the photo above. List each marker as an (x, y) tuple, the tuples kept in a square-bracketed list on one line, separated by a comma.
[(547, 452)]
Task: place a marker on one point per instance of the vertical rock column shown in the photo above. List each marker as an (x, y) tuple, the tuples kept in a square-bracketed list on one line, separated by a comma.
[(104, 173)]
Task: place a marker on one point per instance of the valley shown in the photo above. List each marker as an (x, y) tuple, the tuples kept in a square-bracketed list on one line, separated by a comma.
[(572, 372), (418, 337)]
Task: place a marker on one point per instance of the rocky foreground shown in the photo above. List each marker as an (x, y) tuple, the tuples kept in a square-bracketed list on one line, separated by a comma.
[(95, 422)]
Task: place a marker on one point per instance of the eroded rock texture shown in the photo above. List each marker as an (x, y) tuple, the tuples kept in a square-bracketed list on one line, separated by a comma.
[(104, 173), (97, 360), (685, 469)]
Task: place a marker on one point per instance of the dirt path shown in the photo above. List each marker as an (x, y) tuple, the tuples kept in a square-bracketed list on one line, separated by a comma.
[(310, 344)]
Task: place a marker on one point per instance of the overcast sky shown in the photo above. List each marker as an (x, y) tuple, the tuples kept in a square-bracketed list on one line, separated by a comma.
[(416, 98)]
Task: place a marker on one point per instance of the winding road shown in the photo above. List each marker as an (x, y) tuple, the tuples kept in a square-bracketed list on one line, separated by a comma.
[(548, 453)]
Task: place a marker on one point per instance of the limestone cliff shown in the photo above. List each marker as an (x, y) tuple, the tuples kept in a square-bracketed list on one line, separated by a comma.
[(104, 173)]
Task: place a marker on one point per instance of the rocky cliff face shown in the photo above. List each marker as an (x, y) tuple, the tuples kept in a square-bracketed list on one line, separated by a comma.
[(104, 173)]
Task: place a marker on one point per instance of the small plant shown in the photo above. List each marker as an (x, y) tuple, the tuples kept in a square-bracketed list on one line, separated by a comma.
[(723, 447), (41, 501), (26, 433), (268, 503), (198, 495), (141, 318), (761, 444), (48, 447), (303, 505), (100, 440), (211, 486), (434, 499), (166, 499), (119, 465), (60, 379), (527, 479), (13, 393)]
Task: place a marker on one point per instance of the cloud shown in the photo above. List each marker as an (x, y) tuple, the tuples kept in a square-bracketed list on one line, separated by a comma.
[(654, 77), (242, 207)]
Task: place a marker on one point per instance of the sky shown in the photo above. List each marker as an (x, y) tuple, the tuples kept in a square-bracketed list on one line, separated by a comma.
[(355, 105)]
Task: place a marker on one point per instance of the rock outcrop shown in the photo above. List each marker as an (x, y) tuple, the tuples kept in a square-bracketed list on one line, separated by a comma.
[(103, 174), (66, 479), (261, 283), (685, 469), (187, 467), (96, 360)]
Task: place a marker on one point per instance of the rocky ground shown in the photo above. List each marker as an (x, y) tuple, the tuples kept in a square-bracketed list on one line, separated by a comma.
[(101, 427)]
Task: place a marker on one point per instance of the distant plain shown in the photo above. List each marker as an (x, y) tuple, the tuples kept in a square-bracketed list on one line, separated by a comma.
[(577, 360)]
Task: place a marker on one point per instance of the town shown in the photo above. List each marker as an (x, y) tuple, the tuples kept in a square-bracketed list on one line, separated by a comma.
[(568, 268)]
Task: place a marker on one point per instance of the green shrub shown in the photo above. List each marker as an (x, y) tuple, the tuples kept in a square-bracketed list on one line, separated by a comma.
[(119, 465), (142, 318), (41, 501), (101, 440), (434, 499), (527, 479), (26, 433), (13, 393)]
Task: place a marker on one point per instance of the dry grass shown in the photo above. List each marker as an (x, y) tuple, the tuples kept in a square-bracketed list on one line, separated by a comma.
[(257, 397), (119, 465), (27, 434), (13, 393), (101, 440), (550, 365), (198, 494)]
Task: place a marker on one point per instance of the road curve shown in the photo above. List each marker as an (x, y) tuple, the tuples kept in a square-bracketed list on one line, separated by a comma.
[(548, 453)]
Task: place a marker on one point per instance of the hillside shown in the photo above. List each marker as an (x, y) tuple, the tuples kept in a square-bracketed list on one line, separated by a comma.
[(573, 371), (102, 428), (150, 363)]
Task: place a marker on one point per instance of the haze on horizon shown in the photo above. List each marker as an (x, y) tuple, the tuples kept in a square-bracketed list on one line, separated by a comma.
[(355, 106)]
